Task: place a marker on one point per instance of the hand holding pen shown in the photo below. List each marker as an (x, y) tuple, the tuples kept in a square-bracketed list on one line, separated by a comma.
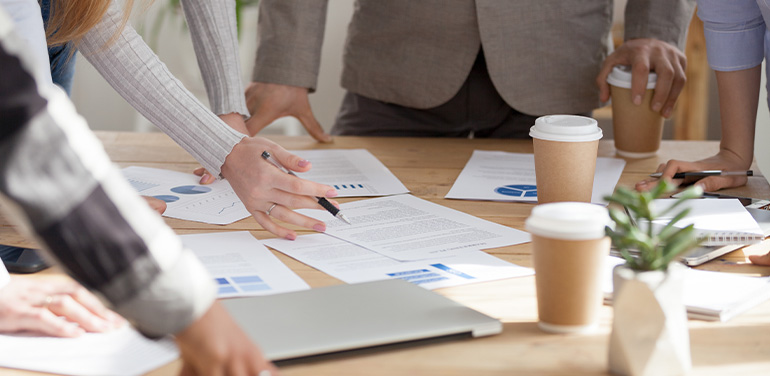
[(712, 174), (321, 200), (270, 194), (701, 174)]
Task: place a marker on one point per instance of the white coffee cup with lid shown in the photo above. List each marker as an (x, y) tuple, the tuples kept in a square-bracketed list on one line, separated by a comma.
[(565, 149)]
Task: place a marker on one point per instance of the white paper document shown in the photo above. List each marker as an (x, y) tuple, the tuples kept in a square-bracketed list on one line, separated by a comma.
[(407, 228), (504, 176), (718, 222), (122, 352), (712, 296), (214, 203), (353, 173), (354, 264), (241, 265)]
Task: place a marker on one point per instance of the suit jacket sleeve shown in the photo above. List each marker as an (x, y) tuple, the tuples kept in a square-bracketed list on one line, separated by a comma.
[(666, 20), (290, 36)]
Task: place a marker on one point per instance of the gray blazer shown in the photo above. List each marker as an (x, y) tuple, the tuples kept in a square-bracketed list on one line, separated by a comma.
[(543, 55)]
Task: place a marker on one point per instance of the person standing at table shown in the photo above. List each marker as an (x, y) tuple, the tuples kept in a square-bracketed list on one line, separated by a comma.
[(463, 67), (736, 43), (216, 137), (80, 208)]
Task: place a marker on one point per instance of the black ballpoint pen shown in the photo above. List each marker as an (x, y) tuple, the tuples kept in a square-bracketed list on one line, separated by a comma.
[(682, 175), (321, 200)]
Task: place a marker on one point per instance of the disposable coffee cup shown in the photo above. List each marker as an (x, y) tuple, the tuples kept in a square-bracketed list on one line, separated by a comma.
[(637, 129), (569, 249), (565, 157)]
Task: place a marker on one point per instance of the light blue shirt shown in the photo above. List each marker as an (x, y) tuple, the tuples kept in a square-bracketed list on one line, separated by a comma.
[(736, 32)]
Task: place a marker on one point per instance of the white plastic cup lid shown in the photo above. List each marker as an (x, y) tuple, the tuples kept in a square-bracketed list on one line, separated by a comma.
[(568, 221), (621, 77), (566, 128)]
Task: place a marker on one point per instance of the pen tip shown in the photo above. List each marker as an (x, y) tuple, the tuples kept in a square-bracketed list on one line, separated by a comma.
[(344, 218)]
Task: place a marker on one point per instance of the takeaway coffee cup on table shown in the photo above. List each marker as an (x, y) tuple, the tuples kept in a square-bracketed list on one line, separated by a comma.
[(565, 157), (569, 248), (637, 129)]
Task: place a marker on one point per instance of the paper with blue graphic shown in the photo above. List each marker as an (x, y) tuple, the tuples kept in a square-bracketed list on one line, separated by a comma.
[(185, 198), (353, 173), (241, 265), (353, 264), (504, 176)]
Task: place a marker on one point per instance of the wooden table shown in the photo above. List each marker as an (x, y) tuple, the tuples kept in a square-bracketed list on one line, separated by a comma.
[(428, 168)]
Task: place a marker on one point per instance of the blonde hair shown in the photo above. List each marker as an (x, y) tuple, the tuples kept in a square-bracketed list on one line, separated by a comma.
[(70, 20)]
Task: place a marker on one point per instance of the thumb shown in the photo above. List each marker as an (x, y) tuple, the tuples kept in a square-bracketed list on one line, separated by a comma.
[(313, 127)]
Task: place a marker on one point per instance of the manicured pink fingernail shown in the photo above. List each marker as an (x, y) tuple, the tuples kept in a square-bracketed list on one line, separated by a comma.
[(638, 100), (205, 178), (331, 193), (657, 106), (291, 237), (303, 163), (320, 227)]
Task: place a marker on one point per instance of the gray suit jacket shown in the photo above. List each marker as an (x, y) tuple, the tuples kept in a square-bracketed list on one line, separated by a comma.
[(543, 55)]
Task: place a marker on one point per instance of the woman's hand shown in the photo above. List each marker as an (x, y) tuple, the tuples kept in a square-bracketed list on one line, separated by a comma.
[(267, 192), (722, 161), (53, 305)]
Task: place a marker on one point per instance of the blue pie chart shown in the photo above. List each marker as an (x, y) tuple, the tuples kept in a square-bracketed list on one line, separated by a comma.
[(190, 189), (517, 190), (167, 198)]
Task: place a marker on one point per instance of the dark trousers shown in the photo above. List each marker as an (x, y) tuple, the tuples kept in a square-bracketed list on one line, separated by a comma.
[(477, 110)]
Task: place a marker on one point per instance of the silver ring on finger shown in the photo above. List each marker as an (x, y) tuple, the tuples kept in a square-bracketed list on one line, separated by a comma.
[(47, 301), (271, 209)]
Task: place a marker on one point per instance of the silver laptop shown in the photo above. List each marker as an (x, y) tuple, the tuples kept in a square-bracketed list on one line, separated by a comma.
[(346, 317)]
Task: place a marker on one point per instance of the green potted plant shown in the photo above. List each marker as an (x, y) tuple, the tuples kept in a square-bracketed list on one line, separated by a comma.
[(649, 329)]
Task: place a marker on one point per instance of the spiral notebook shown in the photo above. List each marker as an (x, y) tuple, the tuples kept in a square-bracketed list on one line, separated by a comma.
[(718, 222)]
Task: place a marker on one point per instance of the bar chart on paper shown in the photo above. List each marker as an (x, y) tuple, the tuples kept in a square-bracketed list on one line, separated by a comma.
[(215, 203), (353, 173)]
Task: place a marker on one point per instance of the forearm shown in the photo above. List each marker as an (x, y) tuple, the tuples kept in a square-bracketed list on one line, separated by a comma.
[(666, 20), (290, 35), (137, 74), (61, 185), (738, 103), (215, 38)]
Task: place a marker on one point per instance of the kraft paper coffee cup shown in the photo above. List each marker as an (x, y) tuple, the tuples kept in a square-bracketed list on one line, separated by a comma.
[(569, 249), (637, 129), (565, 157)]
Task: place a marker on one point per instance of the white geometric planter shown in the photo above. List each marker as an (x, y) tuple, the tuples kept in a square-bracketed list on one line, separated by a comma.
[(649, 331)]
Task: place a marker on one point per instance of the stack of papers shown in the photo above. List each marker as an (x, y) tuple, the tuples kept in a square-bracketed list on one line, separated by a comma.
[(718, 221), (712, 296), (503, 176)]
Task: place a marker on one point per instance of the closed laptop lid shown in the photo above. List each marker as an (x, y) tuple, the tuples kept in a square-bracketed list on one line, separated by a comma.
[(346, 317)]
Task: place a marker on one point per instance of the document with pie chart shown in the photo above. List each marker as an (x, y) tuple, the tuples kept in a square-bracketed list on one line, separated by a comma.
[(214, 203), (504, 176)]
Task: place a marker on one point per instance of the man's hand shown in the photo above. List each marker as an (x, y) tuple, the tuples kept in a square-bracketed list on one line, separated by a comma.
[(53, 305), (214, 345), (645, 56), (268, 102), (262, 187)]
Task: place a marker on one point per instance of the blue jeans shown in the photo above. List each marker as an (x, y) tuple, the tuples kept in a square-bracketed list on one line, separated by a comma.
[(62, 57)]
